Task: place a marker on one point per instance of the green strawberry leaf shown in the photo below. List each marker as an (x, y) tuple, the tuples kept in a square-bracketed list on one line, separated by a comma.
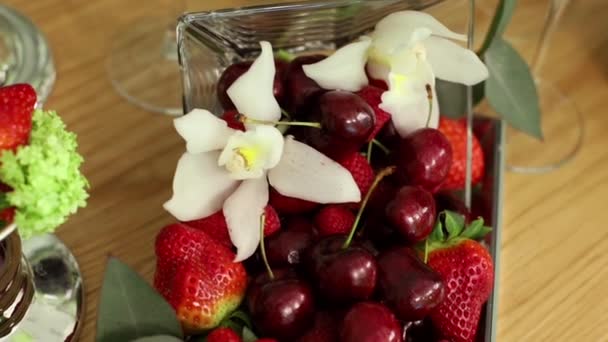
[(129, 308), (476, 230), (437, 235), (158, 338), (511, 90), (248, 335), (241, 316), (454, 223)]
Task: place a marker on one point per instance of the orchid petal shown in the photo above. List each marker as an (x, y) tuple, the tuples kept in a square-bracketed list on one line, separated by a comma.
[(408, 116), (306, 173), (243, 210), (405, 22), (377, 70), (202, 131), (199, 186), (344, 69), (249, 154), (252, 93), (454, 63)]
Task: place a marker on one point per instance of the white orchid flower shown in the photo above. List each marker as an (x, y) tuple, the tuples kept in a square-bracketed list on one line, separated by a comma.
[(409, 50), (231, 170)]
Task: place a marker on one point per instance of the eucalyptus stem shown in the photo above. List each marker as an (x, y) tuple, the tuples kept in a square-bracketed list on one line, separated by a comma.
[(502, 17)]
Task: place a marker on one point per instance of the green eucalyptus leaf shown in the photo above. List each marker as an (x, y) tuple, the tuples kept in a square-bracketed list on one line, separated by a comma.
[(502, 17), (510, 89), (129, 308), (248, 335), (158, 338)]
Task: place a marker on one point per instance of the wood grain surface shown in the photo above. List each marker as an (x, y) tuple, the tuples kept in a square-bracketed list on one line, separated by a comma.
[(554, 276)]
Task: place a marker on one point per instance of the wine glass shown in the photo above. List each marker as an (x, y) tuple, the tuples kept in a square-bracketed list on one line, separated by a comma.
[(142, 64), (58, 304), (562, 123)]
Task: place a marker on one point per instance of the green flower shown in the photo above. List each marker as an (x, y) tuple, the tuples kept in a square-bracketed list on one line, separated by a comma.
[(45, 176)]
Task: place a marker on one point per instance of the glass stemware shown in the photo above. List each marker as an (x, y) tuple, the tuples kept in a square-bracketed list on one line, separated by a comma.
[(562, 123)]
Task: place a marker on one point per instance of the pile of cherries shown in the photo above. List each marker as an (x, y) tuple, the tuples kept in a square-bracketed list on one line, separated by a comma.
[(371, 286)]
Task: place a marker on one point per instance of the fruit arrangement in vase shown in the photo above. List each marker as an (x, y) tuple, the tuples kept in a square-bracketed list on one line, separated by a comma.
[(319, 204)]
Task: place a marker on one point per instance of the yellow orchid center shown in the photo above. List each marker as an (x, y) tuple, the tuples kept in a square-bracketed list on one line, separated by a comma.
[(243, 158)]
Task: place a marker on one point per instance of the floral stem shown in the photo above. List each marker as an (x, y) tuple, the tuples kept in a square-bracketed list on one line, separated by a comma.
[(381, 146), (262, 248), (242, 118), (383, 173), (429, 96)]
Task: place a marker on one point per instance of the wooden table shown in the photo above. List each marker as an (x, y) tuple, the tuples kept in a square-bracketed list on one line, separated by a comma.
[(554, 276)]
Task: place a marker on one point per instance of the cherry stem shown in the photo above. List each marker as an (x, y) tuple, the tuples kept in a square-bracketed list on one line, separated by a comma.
[(242, 118), (383, 173), (262, 248), (369, 151), (426, 251), (429, 94), (381, 146)]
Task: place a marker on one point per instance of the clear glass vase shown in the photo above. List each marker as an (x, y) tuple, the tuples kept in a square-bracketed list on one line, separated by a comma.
[(208, 42)]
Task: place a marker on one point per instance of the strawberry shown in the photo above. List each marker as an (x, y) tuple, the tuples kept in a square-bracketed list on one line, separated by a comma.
[(373, 96), (289, 205), (223, 335), (216, 226), (456, 133), (334, 219), (466, 269), (16, 108), (197, 276), (7, 215), (266, 340), (231, 117), (360, 169)]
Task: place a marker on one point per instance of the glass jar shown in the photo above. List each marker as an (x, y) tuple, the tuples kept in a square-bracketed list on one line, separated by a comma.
[(16, 284)]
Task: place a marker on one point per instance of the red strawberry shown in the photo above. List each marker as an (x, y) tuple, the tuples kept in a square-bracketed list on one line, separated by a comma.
[(266, 340), (7, 215), (360, 169), (16, 108), (223, 335), (216, 227), (466, 269), (289, 205), (373, 96), (456, 133), (231, 117), (197, 276), (334, 219)]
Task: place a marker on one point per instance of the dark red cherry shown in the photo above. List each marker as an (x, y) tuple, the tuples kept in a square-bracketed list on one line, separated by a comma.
[(409, 287), (370, 322), (286, 247), (412, 212), (423, 158), (283, 309), (300, 90)]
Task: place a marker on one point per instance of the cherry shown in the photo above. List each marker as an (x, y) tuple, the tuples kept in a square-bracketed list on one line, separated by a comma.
[(283, 309), (343, 275), (412, 211), (234, 71), (408, 286), (299, 88), (264, 278), (323, 328), (346, 115), (423, 158), (370, 322), (285, 248)]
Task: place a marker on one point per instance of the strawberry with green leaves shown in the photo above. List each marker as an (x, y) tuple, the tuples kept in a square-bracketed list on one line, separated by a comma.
[(198, 276), (467, 271)]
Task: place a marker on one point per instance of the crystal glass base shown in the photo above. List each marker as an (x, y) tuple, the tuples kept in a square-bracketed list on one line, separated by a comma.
[(563, 132), (25, 56), (58, 306), (143, 66)]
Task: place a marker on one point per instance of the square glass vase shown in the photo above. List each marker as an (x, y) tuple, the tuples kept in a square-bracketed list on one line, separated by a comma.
[(209, 42)]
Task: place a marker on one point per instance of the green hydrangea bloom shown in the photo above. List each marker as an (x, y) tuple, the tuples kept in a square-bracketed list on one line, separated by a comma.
[(45, 175)]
